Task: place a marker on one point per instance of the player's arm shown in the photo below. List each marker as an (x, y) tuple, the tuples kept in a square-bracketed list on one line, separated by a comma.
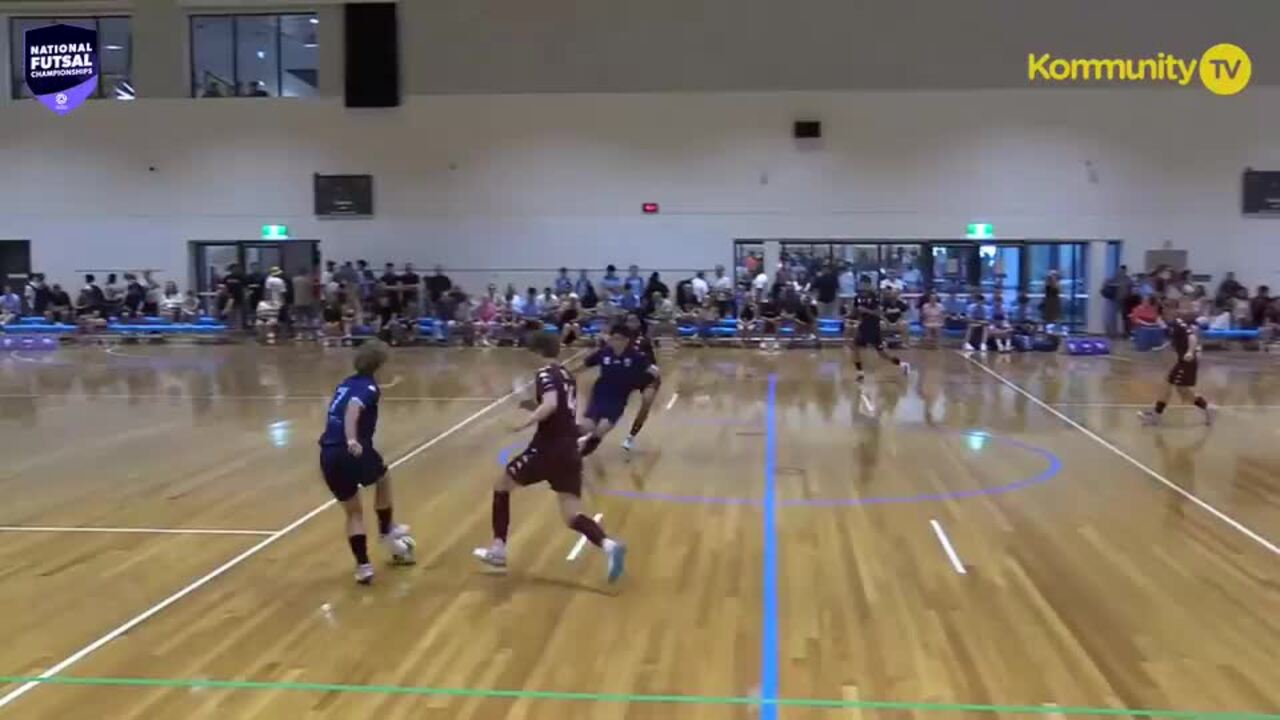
[(550, 403), (654, 371), (350, 421), (1193, 346)]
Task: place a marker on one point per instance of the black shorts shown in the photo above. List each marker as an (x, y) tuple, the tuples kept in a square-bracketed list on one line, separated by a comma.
[(559, 467), (869, 335), (649, 381), (1184, 373), (345, 474), (606, 404)]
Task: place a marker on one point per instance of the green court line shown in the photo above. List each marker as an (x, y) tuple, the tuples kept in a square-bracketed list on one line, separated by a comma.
[(631, 698)]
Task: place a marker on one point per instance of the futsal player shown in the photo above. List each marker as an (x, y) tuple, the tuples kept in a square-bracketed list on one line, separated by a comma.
[(865, 311), (648, 384), (552, 457), (622, 368), (350, 462), (1182, 377)]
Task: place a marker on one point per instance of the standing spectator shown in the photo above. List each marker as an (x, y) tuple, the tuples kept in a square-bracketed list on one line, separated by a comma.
[(699, 286), (759, 284), (36, 295), (253, 283), (390, 282), (304, 305), (151, 303), (1258, 306), (368, 284), (722, 291), (59, 305), (411, 292), (330, 272), (582, 284), (1241, 311), (610, 284), (10, 306), (634, 284), (348, 275), (657, 286), (827, 287), (1051, 306), (564, 284), (848, 284), (1116, 291), (1228, 289)]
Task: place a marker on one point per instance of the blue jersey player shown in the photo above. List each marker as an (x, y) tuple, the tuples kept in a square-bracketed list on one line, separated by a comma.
[(350, 462), (623, 369)]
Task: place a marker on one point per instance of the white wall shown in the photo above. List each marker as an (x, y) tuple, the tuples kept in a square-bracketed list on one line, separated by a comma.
[(544, 180)]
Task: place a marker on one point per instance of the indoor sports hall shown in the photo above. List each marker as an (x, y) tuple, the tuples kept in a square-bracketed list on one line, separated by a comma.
[(962, 394)]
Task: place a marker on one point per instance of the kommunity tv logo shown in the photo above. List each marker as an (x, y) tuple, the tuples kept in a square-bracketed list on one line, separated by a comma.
[(1224, 69)]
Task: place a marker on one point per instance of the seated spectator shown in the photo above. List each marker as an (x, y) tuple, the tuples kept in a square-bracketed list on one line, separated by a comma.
[(10, 306), (113, 296), (932, 317), (895, 315), (797, 315), (486, 317), (550, 303), (590, 301), (337, 323), (92, 300), (1000, 332), (569, 318), (171, 302), (59, 306), (1241, 313), (1258, 307), (1270, 325), (770, 325), (979, 319), (456, 304), (663, 317), (1146, 314), (748, 321), (135, 296)]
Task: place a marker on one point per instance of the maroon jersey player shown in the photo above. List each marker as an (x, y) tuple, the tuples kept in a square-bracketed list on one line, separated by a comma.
[(552, 457), (1183, 376), (649, 384)]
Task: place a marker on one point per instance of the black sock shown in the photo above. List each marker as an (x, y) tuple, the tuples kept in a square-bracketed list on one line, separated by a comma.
[(858, 364), (592, 443), (1201, 403), (589, 529), (384, 521), (501, 514), (359, 548), (896, 361), (1160, 406)]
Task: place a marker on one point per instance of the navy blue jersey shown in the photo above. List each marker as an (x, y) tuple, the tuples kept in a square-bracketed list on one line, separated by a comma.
[(363, 390), (620, 373), (644, 346)]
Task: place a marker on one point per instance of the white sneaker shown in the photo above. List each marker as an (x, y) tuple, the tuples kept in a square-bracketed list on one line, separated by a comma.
[(617, 565), (1148, 417), (906, 368), (494, 556), (400, 544), (364, 574), (1209, 415), (629, 443)]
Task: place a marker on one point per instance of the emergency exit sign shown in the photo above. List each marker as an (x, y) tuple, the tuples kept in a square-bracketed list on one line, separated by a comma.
[(980, 231), (275, 232)]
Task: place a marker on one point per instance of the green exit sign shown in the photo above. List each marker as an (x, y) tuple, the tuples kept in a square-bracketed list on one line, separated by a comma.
[(275, 232), (980, 231)]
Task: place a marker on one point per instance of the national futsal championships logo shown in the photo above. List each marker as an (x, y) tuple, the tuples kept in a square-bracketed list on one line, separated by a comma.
[(1223, 69), (60, 65)]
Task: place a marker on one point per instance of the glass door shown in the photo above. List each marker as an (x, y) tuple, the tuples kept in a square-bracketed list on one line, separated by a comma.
[(1068, 262), (1000, 271), (954, 273)]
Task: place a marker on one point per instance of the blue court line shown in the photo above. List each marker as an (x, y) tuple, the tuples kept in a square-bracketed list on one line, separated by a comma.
[(769, 629)]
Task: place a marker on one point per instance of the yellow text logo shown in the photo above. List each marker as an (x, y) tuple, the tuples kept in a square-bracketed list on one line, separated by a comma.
[(1223, 69)]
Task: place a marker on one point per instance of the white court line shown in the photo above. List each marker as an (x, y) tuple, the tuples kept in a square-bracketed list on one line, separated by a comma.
[(152, 611), (866, 403), (671, 403), (17, 355), (140, 531), (946, 546), (582, 542), (1275, 549), (1144, 406)]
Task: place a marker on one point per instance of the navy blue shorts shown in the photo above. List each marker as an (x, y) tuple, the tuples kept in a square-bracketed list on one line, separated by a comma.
[(345, 474), (606, 405)]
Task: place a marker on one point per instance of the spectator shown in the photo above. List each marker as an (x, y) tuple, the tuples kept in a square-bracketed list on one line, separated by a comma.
[(549, 303), (368, 283), (1051, 306), (581, 284), (759, 284), (92, 300), (151, 303), (826, 287), (253, 284), (589, 299), (564, 284), (699, 286), (526, 306), (895, 316), (932, 317), (113, 295), (891, 282), (610, 284), (304, 305), (1146, 314), (390, 286), (1241, 312), (59, 305), (486, 317), (331, 271), (634, 284), (685, 301), (1258, 306), (657, 286), (410, 293), (347, 275), (134, 296), (631, 298), (171, 302), (36, 295), (1116, 291), (10, 306), (848, 282), (438, 285), (722, 291), (1228, 289)]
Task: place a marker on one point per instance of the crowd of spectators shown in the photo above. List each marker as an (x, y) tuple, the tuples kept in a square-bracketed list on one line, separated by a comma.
[(1153, 299)]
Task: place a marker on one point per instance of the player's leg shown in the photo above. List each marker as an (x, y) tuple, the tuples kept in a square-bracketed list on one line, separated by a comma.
[(1152, 416), (394, 536), (857, 355), (897, 361), (647, 397), (500, 511), (567, 483), (588, 443), (1190, 396), (341, 474), (357, 539)]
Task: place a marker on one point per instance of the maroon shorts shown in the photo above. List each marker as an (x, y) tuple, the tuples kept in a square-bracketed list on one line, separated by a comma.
[(1184, 373), (559, 467)]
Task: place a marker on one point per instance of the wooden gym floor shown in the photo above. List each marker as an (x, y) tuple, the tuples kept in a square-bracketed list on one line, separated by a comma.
[(990, 537)]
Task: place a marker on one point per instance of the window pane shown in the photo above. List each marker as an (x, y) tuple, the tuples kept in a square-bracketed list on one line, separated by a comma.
[(906, 263), (18, 28), (257, 61), (212, 57), (299, 56), (115, 53)]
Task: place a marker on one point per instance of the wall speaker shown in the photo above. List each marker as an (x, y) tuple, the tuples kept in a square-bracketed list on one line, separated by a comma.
[(806, 129), (372, 55)]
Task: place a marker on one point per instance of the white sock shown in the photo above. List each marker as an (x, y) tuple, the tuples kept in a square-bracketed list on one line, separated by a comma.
[(608, 545)]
